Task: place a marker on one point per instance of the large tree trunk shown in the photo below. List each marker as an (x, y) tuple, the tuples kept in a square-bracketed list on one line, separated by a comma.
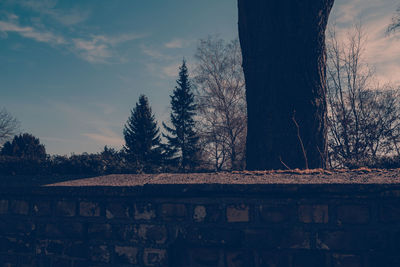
[(284, 62)]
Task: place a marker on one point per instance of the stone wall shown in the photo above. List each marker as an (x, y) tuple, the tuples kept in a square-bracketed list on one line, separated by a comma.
[(201, 225)]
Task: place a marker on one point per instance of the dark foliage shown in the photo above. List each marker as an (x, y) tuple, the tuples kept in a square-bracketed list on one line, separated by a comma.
[(182, 148), (24, 146), (23, 166), (109, 161), (142, 138)]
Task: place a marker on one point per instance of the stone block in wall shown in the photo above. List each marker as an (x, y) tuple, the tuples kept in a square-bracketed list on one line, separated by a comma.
[(42, 208), (61, 262), (199, 213), (354, 239), (313, 213), (345, 260), (77, 249), (273, 258), (8, 260), (20, 207), (174, 211), (200, 256), (353, 214), (239, 258), (310, 259), (32, 260), (50, 247), (3, 206), (89, 209), (125, 255), (100, 253), (126, 232), (144, 211), (63, 230), (383, 259), (100, 231), (238, 213), (218, 235), (154, 257), (152, 233), (207, 213), (65, 208), (116, 210), (69, 248), (270, 213), (271, 238), (17, 244), (78, 263), (19, 227), (389, 212)]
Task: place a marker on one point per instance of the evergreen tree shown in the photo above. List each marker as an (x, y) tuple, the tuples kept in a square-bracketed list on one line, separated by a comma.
[(182, 139), (24, 146), (142, 138)]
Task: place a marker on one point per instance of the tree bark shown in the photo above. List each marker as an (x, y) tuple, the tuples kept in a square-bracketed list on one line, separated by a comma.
[(284, 62)]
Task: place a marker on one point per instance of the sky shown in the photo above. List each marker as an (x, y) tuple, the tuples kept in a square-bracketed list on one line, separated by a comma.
[(71, 71)]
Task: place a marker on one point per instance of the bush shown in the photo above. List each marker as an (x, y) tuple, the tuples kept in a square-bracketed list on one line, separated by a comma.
[(23, 166)]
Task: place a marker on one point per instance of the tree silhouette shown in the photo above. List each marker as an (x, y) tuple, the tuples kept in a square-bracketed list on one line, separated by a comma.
[(8, 125), (182, 139), (24, 146), (142, 138)]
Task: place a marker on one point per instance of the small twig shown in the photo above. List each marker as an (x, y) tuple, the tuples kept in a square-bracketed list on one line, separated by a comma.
[(300, 140), (283, 163)]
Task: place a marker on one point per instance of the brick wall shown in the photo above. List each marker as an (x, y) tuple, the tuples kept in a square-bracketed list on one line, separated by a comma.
[(201, 225)]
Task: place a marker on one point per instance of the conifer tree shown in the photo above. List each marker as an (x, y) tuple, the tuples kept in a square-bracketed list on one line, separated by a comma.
[(142, 138), (182, 139), (24, 146)]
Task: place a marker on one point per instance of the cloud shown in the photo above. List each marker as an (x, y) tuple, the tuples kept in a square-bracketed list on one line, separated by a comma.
[(99, 48), (171, 70), (381, 51), (177, 43), (93, 124), (107, 109), (31, 33), (154, 54), (347, 11), (94, 49), (67, 17), (106, 137)]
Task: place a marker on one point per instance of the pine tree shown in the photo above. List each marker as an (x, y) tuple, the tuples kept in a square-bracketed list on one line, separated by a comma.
[(24, 146), (142, 138), (182, 139)]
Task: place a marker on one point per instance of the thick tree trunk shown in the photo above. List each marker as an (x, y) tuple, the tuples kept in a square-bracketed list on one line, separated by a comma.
[(284, 62)]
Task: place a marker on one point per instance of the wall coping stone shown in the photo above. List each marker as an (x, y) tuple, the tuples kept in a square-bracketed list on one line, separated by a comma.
[(383, 183)]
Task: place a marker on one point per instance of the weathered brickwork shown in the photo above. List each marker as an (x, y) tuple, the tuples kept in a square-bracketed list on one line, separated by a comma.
[(249, 225)]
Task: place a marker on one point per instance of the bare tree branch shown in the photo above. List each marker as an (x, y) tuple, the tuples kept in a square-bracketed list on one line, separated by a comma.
[(221, 102), (363, 117), (8, 125)]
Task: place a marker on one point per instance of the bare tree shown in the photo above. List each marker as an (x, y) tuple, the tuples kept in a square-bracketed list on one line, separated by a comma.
[(8, 125), (363, 117), (221, 102)]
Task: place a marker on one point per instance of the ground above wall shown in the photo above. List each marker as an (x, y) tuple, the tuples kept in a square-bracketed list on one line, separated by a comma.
[(309, 218)]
